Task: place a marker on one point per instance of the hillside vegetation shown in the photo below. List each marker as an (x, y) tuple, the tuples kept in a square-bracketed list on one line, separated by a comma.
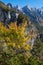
[(20, 42)]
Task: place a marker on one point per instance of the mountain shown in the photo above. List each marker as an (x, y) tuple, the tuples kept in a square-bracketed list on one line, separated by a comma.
[(33, 13), (9, 13), (36, 16)]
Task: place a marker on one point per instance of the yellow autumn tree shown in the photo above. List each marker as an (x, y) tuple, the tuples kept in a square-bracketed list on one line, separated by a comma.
[(20, 39), (13, 44), (15, 35)]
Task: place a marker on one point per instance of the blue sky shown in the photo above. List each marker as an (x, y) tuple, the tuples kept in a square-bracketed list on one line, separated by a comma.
[(21, 3)]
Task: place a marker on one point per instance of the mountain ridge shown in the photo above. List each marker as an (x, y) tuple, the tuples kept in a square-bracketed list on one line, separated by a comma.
[(35, 15)]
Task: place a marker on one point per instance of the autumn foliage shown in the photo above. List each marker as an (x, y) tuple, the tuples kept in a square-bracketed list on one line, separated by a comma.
[(14, 49), (15, 36)]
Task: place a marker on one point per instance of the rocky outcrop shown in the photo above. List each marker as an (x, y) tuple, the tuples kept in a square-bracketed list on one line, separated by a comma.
[(8, 15), (1, 15)]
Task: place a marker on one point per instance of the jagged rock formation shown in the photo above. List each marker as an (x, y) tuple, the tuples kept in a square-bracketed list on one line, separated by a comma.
[(7, 14), (36, 16), (1, 15), (10, 14)]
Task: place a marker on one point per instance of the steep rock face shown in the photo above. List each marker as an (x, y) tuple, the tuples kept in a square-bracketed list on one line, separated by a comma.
[(1, 15), (7, 16), (35, 14)]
